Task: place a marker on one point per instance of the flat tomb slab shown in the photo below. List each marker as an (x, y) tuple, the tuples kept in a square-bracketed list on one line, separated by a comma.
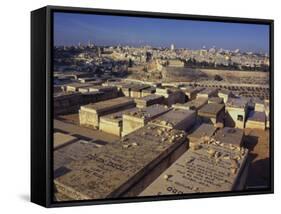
[(203, 131), (176, 119), (229, 135), (208, 168), (73, 152), (61, 139), (113, 169)]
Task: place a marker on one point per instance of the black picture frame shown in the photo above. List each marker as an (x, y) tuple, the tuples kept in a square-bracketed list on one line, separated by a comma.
[(41, 104)]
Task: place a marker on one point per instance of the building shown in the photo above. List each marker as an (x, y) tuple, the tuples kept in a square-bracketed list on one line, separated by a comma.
[(212, 113), (140, 117), (236, 112), (90, 114)]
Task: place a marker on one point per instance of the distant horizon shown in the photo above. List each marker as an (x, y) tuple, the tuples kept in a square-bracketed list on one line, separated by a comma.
[(108, 30)]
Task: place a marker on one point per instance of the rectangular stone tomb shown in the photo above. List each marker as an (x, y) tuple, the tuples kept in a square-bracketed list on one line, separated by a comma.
[(207, 93), (192, 105), (191, 92), (212, 113), (61, 139), (256, 120), (204, 131), (113, 123), (149, 100), (177, 119), (140, 117), (148, 91), (89, 114), (229, 135), (76, 86), (136, 91), (122, 168), (207, 167)]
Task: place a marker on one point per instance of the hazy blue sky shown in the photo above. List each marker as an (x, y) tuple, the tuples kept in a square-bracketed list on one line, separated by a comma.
[(70, 29)]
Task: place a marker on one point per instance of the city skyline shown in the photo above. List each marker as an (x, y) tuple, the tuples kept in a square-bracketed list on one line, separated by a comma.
[(105, 30)]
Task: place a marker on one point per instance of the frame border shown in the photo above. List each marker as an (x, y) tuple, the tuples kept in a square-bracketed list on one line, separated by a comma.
[(49, 103)]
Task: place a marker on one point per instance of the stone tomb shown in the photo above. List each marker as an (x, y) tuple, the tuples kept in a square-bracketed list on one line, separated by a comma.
[(207, 93), (204, 131), (136, 90), (171, 95), (149, 100), (148, 91), (89, 114), (113, 123), (61, 139), (192, 105), (140, 117), (229, 135), (123, 168), (209, 167), (256, 120), (72, 152), (177, 119), (212, 113), (75, 86)]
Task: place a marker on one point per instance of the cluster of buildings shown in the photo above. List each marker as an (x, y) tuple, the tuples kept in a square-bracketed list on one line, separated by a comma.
[(139, 139), (115, 60)]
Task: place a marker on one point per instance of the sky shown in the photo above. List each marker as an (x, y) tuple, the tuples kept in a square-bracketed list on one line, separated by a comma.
[(72, 28)]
